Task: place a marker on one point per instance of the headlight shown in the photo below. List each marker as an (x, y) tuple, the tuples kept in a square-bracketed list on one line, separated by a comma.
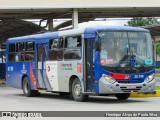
[(150, 78), (109, 78)]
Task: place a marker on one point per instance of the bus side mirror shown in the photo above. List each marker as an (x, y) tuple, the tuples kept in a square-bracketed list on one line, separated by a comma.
[(97, 46)]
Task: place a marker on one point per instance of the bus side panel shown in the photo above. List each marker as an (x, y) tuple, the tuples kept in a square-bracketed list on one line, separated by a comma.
[(66, 70), (15, 72), (14, 75), (59, 74)]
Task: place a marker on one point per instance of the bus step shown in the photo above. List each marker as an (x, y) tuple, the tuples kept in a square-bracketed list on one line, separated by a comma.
[(90, 93), (42, 90)]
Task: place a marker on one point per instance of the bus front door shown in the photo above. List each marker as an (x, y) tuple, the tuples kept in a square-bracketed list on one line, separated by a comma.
[(41, 69), (89, 51)]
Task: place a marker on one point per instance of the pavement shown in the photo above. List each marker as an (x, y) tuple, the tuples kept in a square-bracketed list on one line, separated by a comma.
[(12, 99)]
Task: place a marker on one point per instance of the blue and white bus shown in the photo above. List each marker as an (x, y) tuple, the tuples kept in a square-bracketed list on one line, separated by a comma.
[(106, 60)]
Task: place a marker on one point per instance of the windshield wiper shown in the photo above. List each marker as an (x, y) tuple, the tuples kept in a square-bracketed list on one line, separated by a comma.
[(122, 60), (135, 57), (128, 63), (139, 62)]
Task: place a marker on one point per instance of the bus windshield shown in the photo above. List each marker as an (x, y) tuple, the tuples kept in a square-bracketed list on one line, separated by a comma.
[(119, 49)]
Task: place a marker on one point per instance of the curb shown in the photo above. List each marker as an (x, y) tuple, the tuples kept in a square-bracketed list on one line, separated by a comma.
[(154, 94)]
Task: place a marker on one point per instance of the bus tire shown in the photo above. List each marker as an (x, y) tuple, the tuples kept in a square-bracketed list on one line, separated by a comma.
[(77, 91), (27, 89), (122, 96)]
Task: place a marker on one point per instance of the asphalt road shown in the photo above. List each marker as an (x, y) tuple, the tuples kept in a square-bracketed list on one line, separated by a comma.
[(12, 99)]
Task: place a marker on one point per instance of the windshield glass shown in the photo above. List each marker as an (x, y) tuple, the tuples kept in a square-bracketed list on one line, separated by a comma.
[(125, 48)]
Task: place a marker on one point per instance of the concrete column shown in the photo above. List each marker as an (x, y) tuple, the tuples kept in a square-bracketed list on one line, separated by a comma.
[(75, 18), (50, 24)]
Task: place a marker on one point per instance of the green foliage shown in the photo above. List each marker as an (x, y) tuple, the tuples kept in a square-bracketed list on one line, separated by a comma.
[(158, 48), (157, 87), (140, 21)]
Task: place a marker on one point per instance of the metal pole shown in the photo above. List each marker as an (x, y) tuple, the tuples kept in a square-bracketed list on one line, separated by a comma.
[(75, 18), (50, 24)]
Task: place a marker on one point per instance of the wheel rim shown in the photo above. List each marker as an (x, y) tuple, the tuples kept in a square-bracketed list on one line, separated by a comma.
[(26, 85), (77, 90)]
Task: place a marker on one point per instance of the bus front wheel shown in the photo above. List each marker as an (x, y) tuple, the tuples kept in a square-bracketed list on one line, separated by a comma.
[(27, 89), (77, 91), (122, 96)]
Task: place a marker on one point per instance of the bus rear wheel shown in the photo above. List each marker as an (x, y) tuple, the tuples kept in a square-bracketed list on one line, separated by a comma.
[(27, 89), (122, 96), (77, 91)]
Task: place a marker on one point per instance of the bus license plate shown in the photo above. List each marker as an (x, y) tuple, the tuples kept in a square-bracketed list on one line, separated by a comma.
[(131, 86)]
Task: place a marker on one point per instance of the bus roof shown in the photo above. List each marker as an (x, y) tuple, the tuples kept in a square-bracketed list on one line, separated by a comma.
[(115, 28), (86, 29), (35, 37), (93, 29)]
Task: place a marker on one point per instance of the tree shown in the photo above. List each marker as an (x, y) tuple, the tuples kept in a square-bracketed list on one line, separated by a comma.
[(158, 48), (140, 21)]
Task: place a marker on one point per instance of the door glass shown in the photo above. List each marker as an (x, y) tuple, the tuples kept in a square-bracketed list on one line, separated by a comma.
[(44, 53), (89, 51), (39, 53)]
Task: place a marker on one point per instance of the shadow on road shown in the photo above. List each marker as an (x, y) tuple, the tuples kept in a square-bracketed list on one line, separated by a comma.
[(92, 99), (49, 96), (113, 100)]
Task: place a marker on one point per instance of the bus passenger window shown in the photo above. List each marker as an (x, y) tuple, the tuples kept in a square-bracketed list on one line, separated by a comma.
[(19, 52), (29, 46), (73, 48), (56, 49), (11, 47), (11, 56), (19, 47), (29, 51), (18, 57)]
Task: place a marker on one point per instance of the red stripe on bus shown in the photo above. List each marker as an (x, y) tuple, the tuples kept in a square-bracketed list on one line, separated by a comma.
[(33, 78), (120, 76)]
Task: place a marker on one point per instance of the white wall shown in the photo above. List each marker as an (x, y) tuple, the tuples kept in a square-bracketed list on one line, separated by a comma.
[(77, 3)]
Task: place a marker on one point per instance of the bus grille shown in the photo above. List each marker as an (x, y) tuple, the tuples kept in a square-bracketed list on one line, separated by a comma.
[(125, 89), (131, 81)]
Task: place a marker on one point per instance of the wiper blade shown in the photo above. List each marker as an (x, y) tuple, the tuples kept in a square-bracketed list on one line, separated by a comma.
[(122, 60), (128, 63), (139, 62)]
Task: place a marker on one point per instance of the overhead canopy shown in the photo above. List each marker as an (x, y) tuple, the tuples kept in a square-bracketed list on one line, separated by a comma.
[(14, 27), (85, 14), (154, 29), (12, 11), (88, 9)]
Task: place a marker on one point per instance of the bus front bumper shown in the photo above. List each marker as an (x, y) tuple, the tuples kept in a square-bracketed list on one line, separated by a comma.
[(108, 88)]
